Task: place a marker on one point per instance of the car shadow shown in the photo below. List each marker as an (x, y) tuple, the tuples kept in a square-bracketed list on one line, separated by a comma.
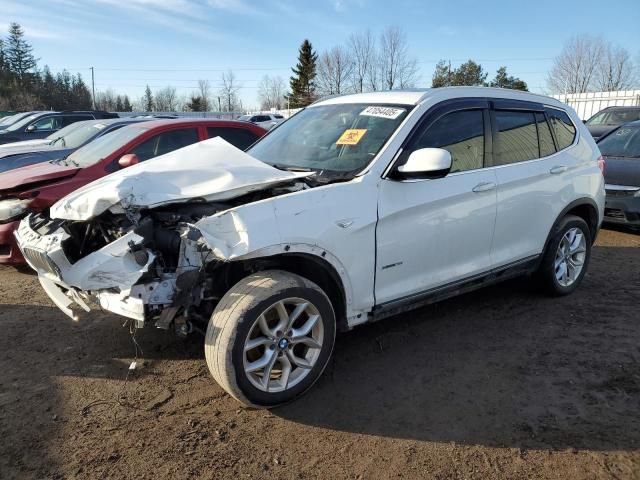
[(504, 367)]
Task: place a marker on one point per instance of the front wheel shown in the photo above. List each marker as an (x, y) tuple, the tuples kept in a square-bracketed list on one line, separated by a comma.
[(270, 338), (565, 261)]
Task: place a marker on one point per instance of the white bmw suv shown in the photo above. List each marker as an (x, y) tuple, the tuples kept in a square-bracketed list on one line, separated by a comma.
[(357, 208)]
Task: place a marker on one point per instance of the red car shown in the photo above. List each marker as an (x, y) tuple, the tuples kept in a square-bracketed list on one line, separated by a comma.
[(36, 187)]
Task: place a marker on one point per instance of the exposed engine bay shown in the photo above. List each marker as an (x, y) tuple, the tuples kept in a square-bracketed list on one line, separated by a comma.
[(180, 279)]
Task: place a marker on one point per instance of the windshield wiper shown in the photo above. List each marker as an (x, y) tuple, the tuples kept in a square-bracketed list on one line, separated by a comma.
[(64, 144), (289, 168)]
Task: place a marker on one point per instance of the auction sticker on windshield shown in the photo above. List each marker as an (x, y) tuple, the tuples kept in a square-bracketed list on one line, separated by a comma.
[(383, 112), (351, 136)]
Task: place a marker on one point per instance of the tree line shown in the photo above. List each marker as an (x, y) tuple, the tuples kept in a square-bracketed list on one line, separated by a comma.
[(364, 63), (24, 87)]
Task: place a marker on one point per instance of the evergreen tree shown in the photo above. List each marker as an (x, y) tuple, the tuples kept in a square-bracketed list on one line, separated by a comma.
[(469, 73), (46, 90), (195, 104), (80, 95), (503, 80), (126, 104), (442, 76), (19, 55), (119, 104), (303, 87), (147, 100)]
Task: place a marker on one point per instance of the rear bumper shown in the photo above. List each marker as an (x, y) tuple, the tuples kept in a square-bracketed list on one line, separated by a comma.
[(622, 210), (9, 251)]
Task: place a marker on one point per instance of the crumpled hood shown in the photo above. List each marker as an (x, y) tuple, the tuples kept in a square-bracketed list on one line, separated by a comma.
[(211, 170)]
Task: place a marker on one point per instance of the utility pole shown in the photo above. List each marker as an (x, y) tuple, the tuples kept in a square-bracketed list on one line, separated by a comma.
[(93, 89)]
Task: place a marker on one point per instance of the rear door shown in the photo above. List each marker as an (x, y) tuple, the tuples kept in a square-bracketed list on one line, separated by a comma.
[(531, 176), (434, 232)]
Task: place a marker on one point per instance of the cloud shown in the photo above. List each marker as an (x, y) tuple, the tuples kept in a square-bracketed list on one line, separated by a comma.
[(344, 5)]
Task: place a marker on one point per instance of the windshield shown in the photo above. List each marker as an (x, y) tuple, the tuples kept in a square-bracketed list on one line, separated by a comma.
[(334, 138), (64, 131), (614, 117), (22, 123), (77, 134), (104, 146), (623, 142), (7, 119), (245, 118)]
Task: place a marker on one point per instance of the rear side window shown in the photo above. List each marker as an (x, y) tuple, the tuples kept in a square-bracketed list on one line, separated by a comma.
[(165, 142), (461, 133), (516, 137), (544, 136), (563, 128), (238, 137)]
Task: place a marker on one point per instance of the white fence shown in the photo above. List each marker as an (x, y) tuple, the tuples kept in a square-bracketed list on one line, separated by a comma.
[(588, 104)]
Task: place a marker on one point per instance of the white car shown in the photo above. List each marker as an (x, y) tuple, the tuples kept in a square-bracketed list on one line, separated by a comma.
[(265, 120), (357, 208)]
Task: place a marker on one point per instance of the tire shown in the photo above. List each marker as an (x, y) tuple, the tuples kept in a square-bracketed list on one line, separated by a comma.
[(255, 309), (548, 273)]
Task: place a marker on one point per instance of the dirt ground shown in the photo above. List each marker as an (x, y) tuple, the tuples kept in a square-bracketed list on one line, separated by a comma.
[(500, 383)]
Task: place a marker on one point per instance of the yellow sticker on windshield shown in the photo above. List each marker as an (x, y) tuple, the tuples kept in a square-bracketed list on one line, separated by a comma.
[(351, 136)]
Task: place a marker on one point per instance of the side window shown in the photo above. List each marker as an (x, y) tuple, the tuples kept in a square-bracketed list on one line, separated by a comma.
[(516, 137), (238, 137), (544, 136), (47, 123), (462, 134), (69, 119), (563, 127), (165, 142)]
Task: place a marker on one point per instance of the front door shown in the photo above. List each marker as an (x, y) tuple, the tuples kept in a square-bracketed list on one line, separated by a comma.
[(435, 232)]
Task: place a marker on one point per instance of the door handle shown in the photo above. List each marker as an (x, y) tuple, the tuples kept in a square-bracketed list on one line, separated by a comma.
[(484, 187), (558, 169)]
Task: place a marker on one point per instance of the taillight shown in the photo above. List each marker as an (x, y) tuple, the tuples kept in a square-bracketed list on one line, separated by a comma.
[(601, 163)]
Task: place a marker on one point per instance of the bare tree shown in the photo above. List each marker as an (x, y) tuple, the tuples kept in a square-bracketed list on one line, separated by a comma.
[(271, 92), (574, 69), (399, 69), (167, 100), (106, 100), (334, 70), (362, 50), (204, 94), (229, 92), (615, 71)]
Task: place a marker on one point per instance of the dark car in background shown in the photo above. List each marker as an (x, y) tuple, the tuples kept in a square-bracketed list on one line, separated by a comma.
[(42, 124), (621, 150), (611, 117), (60, 144), (35, 188)]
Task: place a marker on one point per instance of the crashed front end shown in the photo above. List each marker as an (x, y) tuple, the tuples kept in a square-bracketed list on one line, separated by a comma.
[(165, 263)]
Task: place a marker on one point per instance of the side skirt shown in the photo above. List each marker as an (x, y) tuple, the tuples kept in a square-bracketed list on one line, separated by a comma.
[(405, 304)]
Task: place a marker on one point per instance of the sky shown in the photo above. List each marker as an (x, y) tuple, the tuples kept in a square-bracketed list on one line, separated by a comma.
[(132, 43)]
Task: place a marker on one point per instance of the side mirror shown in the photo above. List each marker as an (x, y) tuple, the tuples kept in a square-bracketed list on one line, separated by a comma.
[(426, 163), (128, 160), (31, 128)]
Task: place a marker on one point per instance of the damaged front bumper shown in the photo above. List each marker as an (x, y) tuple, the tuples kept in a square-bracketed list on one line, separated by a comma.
[(106, 277)]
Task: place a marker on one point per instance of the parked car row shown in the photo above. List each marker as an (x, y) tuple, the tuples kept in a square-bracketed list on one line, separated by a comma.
[(33, 179), (38, 125), (356, 208)]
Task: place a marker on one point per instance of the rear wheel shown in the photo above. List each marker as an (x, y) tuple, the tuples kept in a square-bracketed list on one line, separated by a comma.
[(565, 261), (270, 338)]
